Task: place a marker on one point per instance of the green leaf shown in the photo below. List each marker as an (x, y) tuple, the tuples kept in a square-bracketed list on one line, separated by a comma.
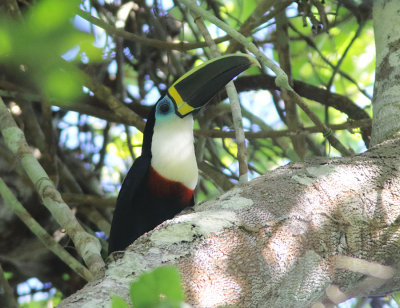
[(396, 297), (169, 281), (49, 33), (65, 277), (62, 85), (49, 15), (161, 287), (8, 275), (5, 43), (118, 302)]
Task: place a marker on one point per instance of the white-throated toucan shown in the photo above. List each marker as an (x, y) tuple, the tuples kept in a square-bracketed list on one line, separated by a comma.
[(161, 181)]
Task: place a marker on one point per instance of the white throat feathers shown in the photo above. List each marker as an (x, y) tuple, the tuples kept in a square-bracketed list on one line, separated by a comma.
[(172, 150)]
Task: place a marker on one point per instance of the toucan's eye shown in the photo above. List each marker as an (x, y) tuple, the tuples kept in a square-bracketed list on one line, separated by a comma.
[(164, 107)]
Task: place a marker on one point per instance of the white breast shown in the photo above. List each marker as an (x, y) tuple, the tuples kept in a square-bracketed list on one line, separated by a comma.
[(172, 150)]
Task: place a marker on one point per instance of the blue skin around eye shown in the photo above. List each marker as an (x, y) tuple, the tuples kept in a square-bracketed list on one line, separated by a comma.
[(164, 116)]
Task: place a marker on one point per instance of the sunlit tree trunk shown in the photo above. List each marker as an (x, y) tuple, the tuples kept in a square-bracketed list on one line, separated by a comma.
[(304, 234)]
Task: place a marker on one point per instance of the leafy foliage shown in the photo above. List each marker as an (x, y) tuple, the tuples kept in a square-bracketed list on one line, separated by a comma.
[(160, 288), (48, 32)]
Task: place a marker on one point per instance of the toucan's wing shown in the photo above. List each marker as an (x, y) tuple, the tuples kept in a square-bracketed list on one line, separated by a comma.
[(120, 233), (133, 180)]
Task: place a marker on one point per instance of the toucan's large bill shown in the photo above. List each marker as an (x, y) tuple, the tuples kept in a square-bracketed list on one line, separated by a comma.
[(194, 89)]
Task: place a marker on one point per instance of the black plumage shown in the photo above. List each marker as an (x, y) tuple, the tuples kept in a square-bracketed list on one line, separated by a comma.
[(138, 210)]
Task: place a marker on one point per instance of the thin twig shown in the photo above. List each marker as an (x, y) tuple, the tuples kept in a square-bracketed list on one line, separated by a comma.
[(96, 218), (103, 149), (100, 202), (324, 97), (193, 28), (337, 66), (280, 142), (174, 65), (291, 117), (234, 103), (41, 233), (310, 43), (239, 132), (251, 21), (281, 78), (215, 159), (50, 152), (67, 178), (104, 93), (129, 141), (328, 134), (7, 292), (204, 123), (213, 133), (258, 17), (182, 46), (13, 8), (88, 246), (219, 179)]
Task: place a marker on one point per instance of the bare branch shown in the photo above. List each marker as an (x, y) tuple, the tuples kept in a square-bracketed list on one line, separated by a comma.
[(235, 106), (84, 199), (281, 78), (283, 133), (88, 246), (182, 46), (41, 233), (282, 45)]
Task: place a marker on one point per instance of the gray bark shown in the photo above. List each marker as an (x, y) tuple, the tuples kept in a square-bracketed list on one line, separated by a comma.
[(386, 101), (277, 241)]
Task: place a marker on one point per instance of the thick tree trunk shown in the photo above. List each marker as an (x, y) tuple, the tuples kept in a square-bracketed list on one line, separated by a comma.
[(386, 102), (279, 240)]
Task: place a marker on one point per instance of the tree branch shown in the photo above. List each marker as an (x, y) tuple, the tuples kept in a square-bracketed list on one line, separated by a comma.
[(100, 202), (235, 106), (281, 78), (313, 46), (41, 233), (282, 45), (320, 95), (302, 229), (88, 246), (214, 133), (258, 16), (104, 93), (11, 6), (182, 46)]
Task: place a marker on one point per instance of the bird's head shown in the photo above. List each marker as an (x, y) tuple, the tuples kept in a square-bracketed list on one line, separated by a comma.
[(191, 92)]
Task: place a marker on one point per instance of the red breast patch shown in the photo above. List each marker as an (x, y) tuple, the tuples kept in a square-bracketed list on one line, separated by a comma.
[(164, 187)]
